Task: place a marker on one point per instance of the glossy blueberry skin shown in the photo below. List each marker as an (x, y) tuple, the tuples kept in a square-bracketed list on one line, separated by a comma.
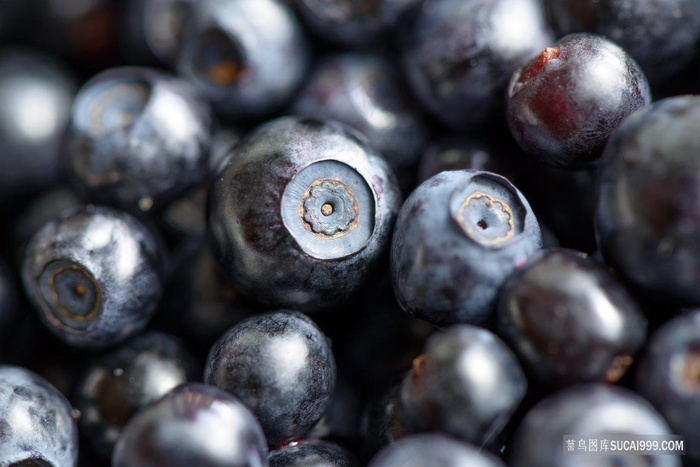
[(667, 376), (36, 94), (194, 424), (264, 205), (563, 105), (447, 389), (433, 449), (352, 23), (115, 386), (247, 57), (48, 434), (587, 409), (138, 138), (661, 35), (569, 320), (458, 237), (281, 366), (313, 454), (460, 54), (367, 92), (94, 276), (646, 215)]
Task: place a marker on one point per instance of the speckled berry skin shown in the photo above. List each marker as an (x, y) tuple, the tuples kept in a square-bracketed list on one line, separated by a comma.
[(661, 35), (646, 216), (435, 450), (247, 57), (458, 236), (667, 376), (460, 54), (268, 213), (117, 385), (587, 409), (367, 92), (94, 276), (36, 423), (36, 94), (569, 319), (313, 454), (138, 138), (194, 424), (351, 23), (281, 366), (447, 390), (563, 105)]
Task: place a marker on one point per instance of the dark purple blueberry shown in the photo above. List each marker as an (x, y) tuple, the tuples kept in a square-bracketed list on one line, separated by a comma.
[(647, 216), (468, 152), (138, 138), (569, 319), (36, 95), (459, 54), (381, 422), (661, 35), (193, 425), (458, 237), (467, 384), (94, 276), (587, 409), (563, 104), (353, 23), (36, 422), (434, 450), (246, 56), (302, 213), (366, 92), (669, 377), (152, 29), (312, 454), (281, 366), (115, 386)]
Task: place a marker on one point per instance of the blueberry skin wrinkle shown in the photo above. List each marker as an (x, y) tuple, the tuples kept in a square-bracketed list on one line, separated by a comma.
[(192, 425), (458, 236), (646, 215), (458, 55), (281, 366), (36, 421), (264, 205), (95, 276)]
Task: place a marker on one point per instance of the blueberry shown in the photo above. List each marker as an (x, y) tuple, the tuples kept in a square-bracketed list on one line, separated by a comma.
[(457, 238), (459, 54), (281, 366), (36, 422), (587, 409), (246, 56), (193, 424), (646, 215), (118, 384), (138, 138), (669, 374), (563, 105), (94, 276), (366, 92), (312, 454), (661, 35), (302, 213), (381, 422), (36, 94), (569, 319), (467, 384), (351, 23), (435, 450)]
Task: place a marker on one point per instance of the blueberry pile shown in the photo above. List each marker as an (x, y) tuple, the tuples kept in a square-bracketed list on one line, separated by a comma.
[(343, 233)]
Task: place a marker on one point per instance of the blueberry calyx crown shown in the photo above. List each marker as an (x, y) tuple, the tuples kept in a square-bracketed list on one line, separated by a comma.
[(330, 208)]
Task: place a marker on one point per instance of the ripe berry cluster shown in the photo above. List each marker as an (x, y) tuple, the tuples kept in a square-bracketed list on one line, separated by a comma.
[(353, 232)]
